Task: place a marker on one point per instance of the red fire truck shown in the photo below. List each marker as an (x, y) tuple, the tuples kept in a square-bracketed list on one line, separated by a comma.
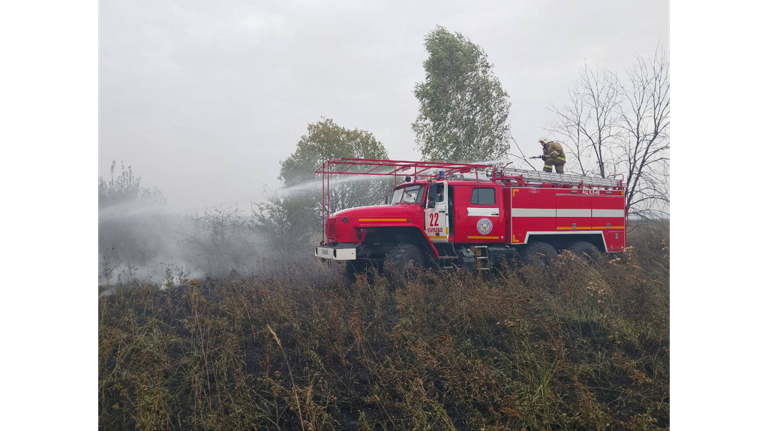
[(471, 215)]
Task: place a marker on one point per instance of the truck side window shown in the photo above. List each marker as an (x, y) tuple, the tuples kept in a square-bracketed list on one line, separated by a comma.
[(483, 196), (436, 194)]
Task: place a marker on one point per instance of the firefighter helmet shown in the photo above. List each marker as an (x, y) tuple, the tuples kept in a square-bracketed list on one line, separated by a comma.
[(544, 139)]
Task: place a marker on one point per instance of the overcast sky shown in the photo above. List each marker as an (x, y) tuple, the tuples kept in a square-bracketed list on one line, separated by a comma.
[(205, 98)]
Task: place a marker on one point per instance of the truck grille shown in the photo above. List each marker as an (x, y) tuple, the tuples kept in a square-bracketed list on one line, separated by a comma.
[(330, 228)]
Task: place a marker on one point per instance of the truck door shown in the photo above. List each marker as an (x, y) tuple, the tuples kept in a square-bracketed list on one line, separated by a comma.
[(436, 216), (484, 215)]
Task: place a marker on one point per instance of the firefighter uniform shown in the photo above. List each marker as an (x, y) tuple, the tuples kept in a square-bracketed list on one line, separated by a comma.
[(553, 156)]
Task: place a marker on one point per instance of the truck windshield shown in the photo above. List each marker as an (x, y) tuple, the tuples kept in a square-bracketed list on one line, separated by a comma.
[(408, 195)]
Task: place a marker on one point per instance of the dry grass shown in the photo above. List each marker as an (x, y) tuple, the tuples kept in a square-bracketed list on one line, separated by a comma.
[(581, 347)]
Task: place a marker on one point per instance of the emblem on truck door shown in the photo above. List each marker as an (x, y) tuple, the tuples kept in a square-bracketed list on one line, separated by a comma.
[(484, 226)]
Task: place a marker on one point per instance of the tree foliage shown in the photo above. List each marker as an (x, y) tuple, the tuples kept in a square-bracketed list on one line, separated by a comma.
[(325, 140), (221, 240), (126, 188), (130, 216), (293, 214), (286, 223), (463, 107)]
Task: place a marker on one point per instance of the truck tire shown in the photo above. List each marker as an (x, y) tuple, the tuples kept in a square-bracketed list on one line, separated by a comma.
[(585, 250), (539, 254), (401, 260), (514, 258)]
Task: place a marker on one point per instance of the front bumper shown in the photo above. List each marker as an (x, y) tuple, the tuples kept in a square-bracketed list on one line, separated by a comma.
[(336, 253)]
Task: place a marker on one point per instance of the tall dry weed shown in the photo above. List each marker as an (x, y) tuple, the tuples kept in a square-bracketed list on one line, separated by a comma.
[(579, 346)]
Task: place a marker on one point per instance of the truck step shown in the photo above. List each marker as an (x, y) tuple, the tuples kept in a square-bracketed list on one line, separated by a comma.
[(482, 263)]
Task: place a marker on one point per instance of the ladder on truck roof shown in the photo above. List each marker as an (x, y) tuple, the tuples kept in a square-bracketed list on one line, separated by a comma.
[(555, 178)]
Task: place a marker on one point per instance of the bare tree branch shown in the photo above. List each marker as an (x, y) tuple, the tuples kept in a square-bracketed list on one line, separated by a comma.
[(611, 127)]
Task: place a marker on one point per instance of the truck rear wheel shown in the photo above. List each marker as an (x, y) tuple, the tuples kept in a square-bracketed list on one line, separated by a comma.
[(539, 254), (585, 250), (402, 260)]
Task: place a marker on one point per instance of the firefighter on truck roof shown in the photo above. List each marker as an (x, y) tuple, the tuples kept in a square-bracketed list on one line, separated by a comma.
[(553, 155)]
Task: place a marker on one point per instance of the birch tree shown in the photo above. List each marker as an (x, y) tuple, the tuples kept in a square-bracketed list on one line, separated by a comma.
[(463, 108)]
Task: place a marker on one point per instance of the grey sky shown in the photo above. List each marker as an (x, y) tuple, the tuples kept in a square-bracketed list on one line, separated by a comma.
[(205, 98)]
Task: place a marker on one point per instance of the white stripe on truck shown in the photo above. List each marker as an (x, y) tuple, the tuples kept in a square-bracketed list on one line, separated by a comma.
[(608, 213), (534, 212), (561, 212), (564, 212)]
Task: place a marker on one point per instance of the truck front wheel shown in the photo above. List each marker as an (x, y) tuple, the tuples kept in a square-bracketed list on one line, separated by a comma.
[(403, 259)]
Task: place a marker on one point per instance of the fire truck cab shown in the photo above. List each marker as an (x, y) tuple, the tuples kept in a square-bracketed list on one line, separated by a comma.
[(477, 216)]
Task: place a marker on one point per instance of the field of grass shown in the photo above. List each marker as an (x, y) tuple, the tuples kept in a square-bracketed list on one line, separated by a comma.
[(578, 346)]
